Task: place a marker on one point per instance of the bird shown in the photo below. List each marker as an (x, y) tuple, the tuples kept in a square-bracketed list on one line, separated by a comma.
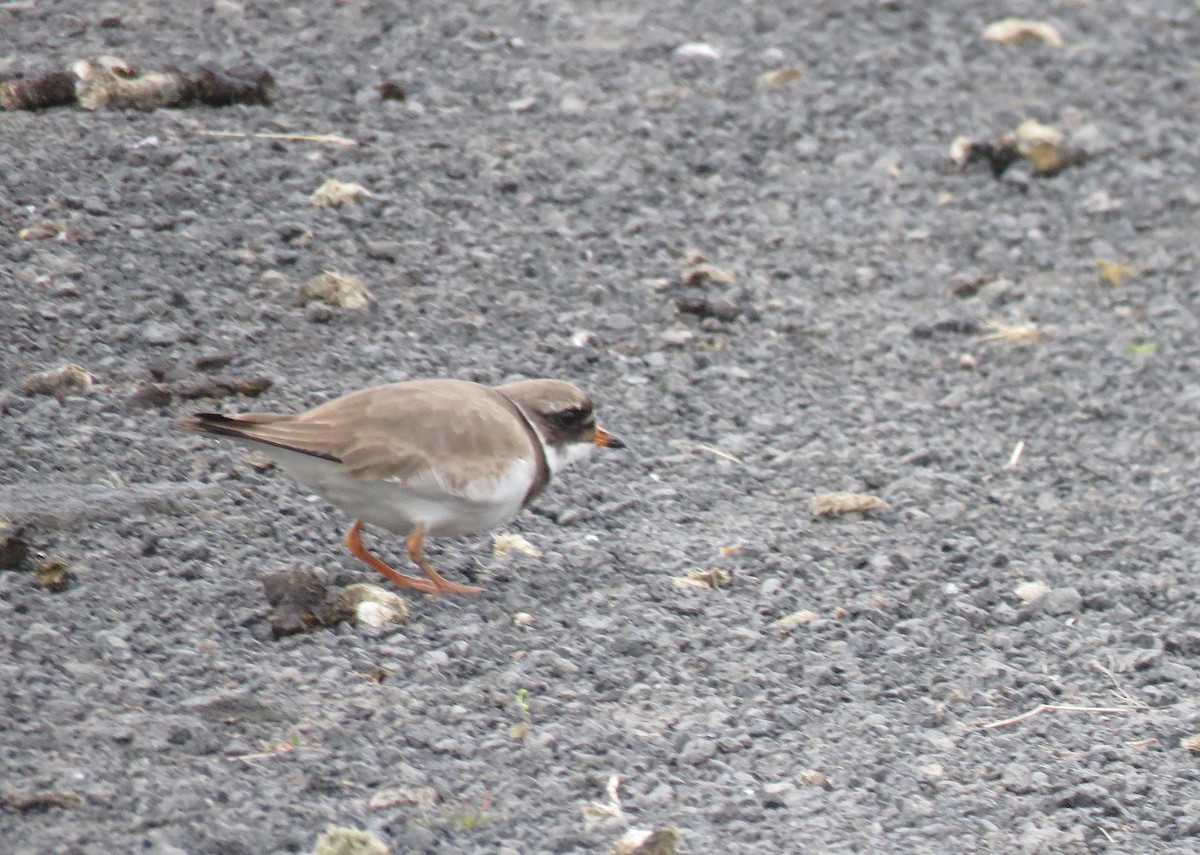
[(424, 458)]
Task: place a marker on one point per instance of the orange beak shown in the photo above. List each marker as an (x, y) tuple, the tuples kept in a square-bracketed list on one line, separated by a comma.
[(604, 439)]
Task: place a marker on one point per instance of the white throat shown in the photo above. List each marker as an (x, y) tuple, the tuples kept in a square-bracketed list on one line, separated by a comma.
[(562, 456), (559, 457)]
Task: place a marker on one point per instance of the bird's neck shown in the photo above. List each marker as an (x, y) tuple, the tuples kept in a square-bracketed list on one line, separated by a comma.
[(559, 457)]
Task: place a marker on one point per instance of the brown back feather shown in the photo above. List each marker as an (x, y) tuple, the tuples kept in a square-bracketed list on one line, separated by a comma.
[(393, 431)]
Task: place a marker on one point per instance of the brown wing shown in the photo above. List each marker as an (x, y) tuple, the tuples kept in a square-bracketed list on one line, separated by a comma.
[(395, 431), (402, 430)]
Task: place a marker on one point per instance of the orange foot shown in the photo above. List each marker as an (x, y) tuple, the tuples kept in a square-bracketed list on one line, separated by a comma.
[(434, 585)]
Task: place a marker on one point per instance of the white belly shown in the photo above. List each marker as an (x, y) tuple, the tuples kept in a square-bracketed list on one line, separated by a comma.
[(400, 506)]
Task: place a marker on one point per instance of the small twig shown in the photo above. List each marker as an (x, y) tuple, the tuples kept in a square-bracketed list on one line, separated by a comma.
[(1124, 695), (282, 748), (725, 454), (1024, 333), (1015, 457), (1134, 705), (249, 758), (1041, 708), (332, 139)]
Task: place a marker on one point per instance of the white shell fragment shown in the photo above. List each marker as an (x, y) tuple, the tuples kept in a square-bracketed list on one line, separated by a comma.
[(645, 841), (61, 382), (1031, 132), (340, 840), (1031, 592), (789, 623), (503, 543), (706, 580), (349, 292), (375, 606), (1016, 31), (836, 504), (335, 194), (390, 798), (698, 50), (780, 77)]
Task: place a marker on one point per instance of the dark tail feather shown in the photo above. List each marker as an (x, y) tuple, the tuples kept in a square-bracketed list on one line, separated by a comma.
[(242, 427), (220, 424), (226, 425)]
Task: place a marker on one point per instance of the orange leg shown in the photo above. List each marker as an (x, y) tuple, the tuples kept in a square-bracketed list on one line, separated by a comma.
[(440, 582), (355, 545), (435, 583)]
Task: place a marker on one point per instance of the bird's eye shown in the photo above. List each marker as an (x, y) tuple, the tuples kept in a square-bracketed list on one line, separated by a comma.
[(575, 416)]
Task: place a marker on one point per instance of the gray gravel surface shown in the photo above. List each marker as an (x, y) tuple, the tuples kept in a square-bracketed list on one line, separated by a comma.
[(533, 201)]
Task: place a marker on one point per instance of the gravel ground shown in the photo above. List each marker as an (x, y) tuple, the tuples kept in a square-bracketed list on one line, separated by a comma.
[(895, 327)]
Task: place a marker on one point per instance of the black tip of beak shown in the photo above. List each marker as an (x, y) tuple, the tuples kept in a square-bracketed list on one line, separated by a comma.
[(604, 439)]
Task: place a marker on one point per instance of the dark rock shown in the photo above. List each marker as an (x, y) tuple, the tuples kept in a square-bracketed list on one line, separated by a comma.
[(703, 307), (13, 548), (224, 387), (151, 395), (301, 602)]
